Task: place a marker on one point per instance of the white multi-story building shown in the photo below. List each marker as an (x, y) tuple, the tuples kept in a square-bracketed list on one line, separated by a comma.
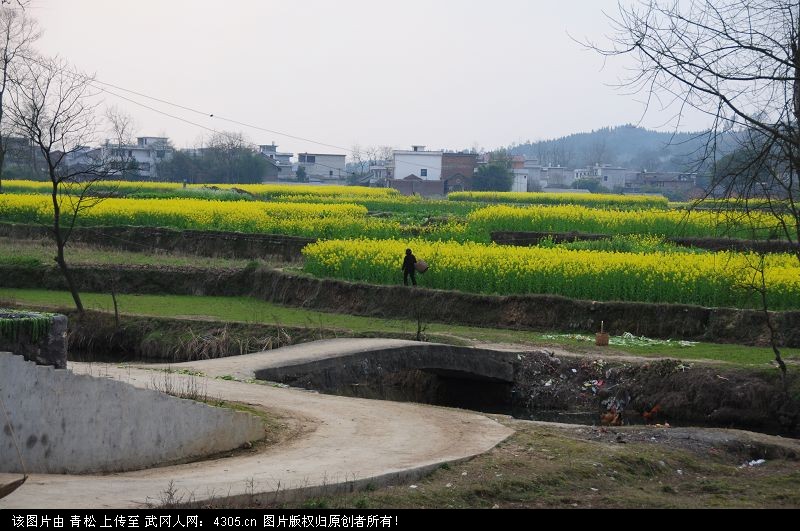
[(427, 165), (145, 154), (323, 166)]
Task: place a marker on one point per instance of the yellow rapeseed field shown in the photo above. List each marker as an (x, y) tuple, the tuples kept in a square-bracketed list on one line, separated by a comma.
[(270, 191), (710, 279), (568, 218), (544, 198), (302, 219)]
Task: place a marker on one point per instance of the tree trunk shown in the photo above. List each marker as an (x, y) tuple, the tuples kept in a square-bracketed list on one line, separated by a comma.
[(773, 340), (62, 264), (2, 160), (114, 299), (60, 243)]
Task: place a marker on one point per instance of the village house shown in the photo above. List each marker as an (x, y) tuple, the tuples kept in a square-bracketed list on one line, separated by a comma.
[(142, 156), (325, 167)]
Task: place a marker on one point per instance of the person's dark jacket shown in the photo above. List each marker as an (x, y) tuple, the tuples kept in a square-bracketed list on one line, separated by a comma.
[(408, 263)]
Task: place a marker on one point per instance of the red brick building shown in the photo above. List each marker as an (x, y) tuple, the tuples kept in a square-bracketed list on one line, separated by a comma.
[(458, 169)]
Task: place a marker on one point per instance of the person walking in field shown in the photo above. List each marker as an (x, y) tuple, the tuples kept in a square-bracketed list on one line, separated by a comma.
[(409, 268)]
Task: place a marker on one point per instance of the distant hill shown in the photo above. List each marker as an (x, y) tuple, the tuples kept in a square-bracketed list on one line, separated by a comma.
[(626, 145)]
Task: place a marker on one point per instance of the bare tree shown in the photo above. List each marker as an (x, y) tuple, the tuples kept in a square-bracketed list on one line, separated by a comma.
[(737, 61), (229, 141), (121, 127), (21, 3), (360, 159), (18, 32), (377, 154), (52, 106), (598, 151), (363, 157)]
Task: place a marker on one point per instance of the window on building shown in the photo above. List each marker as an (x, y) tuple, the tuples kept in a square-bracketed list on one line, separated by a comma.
[(144, 166), (160, 153), (130, 152), (310, 159), (605, 178), (423, 172)]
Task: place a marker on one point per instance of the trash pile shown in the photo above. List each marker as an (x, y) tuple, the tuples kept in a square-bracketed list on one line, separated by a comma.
[(625, 340)]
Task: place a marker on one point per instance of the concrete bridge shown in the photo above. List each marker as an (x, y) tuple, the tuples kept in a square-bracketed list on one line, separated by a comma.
[(343, 361)]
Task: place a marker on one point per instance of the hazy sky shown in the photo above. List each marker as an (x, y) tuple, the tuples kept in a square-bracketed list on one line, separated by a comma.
[(444, 73)]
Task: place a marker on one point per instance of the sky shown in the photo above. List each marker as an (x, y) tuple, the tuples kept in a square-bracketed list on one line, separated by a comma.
[(448, 74)]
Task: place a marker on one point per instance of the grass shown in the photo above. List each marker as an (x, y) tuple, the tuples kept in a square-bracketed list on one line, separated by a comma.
[(550, 467), (41, 252), (250, 310)]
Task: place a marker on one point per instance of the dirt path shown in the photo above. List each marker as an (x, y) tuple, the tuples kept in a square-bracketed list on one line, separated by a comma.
[(343, 440)]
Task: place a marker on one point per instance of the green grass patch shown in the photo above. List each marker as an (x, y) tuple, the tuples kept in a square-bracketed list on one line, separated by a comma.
[(41, 252), (250, 310)]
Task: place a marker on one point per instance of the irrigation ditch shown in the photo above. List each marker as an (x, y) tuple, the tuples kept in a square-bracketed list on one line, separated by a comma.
[(545, 387), (535, 385)]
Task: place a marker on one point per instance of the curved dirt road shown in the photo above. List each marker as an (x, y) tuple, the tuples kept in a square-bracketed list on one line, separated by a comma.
[(343, 441)]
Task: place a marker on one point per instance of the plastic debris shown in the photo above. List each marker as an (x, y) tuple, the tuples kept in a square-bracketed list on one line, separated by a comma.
[(593, 385), (754, 462), (626, 339)]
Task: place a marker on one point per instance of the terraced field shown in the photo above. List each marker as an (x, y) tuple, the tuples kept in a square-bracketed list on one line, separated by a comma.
[(363, 233)]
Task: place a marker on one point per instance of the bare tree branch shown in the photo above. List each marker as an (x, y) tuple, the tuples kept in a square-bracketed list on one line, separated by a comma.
[(737, 61), (54, 109), (18, 32)]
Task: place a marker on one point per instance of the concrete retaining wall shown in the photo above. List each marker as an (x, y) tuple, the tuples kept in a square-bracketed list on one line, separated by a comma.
[(73, 424), (48, 350), (203, 243)]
